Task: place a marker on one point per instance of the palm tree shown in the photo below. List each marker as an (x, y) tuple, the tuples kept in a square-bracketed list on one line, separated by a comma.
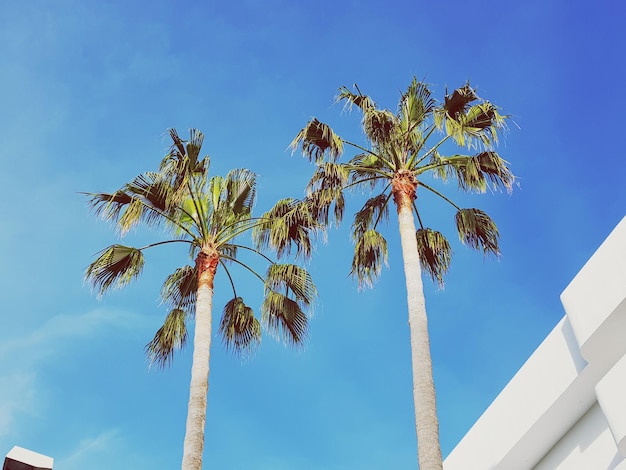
[(403, 149), (209, 215)]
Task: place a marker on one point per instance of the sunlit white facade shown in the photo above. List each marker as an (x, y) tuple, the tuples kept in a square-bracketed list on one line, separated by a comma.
[(566, 407), (19, 458)]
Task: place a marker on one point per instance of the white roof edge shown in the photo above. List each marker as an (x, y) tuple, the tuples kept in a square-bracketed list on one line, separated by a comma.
[(29, 457)]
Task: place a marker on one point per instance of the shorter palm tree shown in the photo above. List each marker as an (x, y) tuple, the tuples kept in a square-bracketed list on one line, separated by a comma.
[(210, 215)]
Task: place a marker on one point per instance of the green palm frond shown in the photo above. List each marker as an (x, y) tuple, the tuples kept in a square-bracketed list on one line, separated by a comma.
[(183, 162), (151, 202), (365, 161), (221, 217), (480, 123), (239, 328), (416, 104), (321, 200), (485, 121), (152, 188), (170, 338), (148, 198), (192, 214), (178, 145), (457, 103), (359, 100), (380, 126), (229, 204), (325, 189), (477, 230), (193, 150), (316, 140), (481, 116), (175, 165), (374, 210), (284, 318), (216, 192), (370, 253), (367, 169), (329, 175), (435, 253), (473, 172), (123, 209), (115, 267), (132, 216), (180, 287), (291, 279), (240, 186), (290, 223), (468, 119), (108, 206), (439, 165)]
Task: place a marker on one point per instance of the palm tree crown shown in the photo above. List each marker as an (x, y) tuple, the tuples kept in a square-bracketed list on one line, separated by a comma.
[(403, 149), (209, 214)]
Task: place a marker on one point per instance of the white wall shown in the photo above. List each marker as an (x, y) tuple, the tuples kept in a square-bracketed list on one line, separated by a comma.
[(588, 445), (566, 407)]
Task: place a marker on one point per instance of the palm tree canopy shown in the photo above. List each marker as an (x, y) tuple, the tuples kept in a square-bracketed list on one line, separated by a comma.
[(403, 149), (209, 214)]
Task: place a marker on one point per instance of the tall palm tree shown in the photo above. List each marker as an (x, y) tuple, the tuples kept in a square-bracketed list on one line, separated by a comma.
[(403, 149), (209, 215)]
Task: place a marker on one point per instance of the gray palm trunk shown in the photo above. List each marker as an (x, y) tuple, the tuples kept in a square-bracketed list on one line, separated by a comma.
[(199, 386), (426, 422)]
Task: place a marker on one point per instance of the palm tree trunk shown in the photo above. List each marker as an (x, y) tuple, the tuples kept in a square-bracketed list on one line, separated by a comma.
[(426, 422), (199, 386)]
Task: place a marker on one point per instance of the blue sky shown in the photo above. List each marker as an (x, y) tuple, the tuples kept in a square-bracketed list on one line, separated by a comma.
[(87, 91)]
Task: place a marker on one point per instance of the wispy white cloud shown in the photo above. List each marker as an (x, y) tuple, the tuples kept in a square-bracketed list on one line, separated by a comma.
[(88, 449), (23, 357), (52, 336), (18, 395), (111, 448)]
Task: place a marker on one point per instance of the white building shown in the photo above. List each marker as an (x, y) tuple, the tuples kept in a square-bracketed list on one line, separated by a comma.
[(19, 458), (565, 408)]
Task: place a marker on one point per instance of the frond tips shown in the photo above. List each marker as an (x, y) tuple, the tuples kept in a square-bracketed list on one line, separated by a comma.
[(292, 279), (291, 223), (370, 253), (317, 139), (241, 190), (116, 266), (239, 328), (416, 104), (364, 102), (285, 318), (458, 101), (170, 338), (375, 210), (289, 289), (473, 173), (183, 159), (180, 287), (435, 253), (478, 231), (380, 126)]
